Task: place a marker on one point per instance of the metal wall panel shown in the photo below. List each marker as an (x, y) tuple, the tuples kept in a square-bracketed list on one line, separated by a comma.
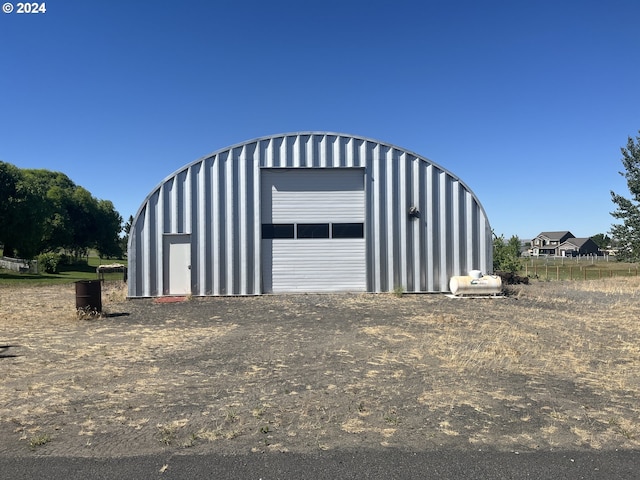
[(216, 199)]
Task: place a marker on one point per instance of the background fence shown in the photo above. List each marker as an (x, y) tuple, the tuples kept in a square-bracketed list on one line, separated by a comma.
[(577, 268)]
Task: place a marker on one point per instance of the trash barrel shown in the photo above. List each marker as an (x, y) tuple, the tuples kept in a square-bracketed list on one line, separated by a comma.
[(89, 296)]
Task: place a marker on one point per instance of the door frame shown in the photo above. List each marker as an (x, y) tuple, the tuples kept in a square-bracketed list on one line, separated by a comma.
[(176, 239)]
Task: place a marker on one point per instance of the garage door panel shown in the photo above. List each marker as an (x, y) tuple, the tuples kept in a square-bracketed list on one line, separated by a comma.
[(313, 195), (318, 265), (318, 206)]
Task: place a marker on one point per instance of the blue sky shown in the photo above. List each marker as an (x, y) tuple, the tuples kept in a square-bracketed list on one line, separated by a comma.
[(528, 102)]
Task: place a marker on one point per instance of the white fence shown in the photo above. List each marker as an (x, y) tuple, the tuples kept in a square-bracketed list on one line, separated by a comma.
[(19, 265), (566, 260)]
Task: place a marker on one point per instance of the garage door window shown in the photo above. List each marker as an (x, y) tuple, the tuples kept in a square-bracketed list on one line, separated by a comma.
[(277, 230), (312, 230), (347, 230)]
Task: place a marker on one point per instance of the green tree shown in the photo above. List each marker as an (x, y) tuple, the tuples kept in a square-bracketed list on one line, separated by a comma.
[(506, 254), (128, 225), (124, 240), (628, 209), (9, 177), (44, 211), (109, 226), (23, 209), (54, 190), (83, 213), (602, 240)]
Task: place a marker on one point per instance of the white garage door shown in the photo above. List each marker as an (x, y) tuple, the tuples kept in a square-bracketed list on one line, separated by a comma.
[(313, 230)]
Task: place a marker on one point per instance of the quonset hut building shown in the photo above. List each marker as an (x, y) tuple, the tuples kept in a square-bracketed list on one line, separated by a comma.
[(307, 212)]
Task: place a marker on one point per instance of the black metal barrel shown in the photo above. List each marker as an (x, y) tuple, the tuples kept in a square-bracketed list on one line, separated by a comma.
[(89, 296)]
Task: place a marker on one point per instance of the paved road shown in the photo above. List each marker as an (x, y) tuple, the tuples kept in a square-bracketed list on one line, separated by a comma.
[(336, 465)]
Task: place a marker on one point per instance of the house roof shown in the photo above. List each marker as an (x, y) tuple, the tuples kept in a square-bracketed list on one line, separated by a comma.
[(555, 235), (578, 242)]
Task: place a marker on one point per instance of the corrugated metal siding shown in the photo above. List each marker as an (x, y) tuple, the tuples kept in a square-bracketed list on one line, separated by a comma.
[(217, 200)]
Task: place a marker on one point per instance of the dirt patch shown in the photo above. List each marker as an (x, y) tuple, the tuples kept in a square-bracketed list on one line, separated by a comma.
[(554, 365)]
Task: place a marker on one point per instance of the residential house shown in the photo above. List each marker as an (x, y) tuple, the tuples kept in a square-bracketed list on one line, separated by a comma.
[(548, 243), (578, 246)]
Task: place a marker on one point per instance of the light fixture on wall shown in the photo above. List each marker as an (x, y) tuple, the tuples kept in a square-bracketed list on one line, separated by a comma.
[(414, 212)]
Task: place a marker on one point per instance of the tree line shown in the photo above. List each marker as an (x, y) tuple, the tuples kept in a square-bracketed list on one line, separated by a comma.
[(44, 211), (628, 209)]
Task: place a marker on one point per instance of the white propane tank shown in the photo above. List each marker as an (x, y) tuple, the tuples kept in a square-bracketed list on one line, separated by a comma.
[(475, 284), (475, 274)]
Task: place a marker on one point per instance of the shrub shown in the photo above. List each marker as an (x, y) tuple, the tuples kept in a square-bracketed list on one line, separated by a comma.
[(506, 254), (49, 262)]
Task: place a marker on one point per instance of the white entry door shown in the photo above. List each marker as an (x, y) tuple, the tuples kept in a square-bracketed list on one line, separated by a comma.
[(178, 261)]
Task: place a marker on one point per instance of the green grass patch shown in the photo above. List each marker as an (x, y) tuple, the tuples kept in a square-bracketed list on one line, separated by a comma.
[(67, 274)]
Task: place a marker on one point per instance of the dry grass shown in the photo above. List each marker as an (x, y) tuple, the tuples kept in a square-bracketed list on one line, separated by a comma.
[(554, 365)]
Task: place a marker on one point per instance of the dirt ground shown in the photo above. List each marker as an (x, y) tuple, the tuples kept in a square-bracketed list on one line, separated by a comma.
[(551, 366)]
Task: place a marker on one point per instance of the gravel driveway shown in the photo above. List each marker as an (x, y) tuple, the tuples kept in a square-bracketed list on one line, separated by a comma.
[(550, 366)]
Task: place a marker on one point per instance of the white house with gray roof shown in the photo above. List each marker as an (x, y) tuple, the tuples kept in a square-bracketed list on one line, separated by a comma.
[(562, 243)]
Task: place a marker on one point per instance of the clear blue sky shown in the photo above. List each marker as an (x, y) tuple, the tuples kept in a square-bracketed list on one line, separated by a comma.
[(528, 102)]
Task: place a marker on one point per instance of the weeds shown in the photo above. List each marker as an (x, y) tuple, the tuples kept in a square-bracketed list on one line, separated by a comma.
[(617, 425), (231, 415), (190, 441), (392, 417), (210, 435), (168, 431), (258, 412), (398, 291), (88, 313), (39, 440), (167, 434)]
